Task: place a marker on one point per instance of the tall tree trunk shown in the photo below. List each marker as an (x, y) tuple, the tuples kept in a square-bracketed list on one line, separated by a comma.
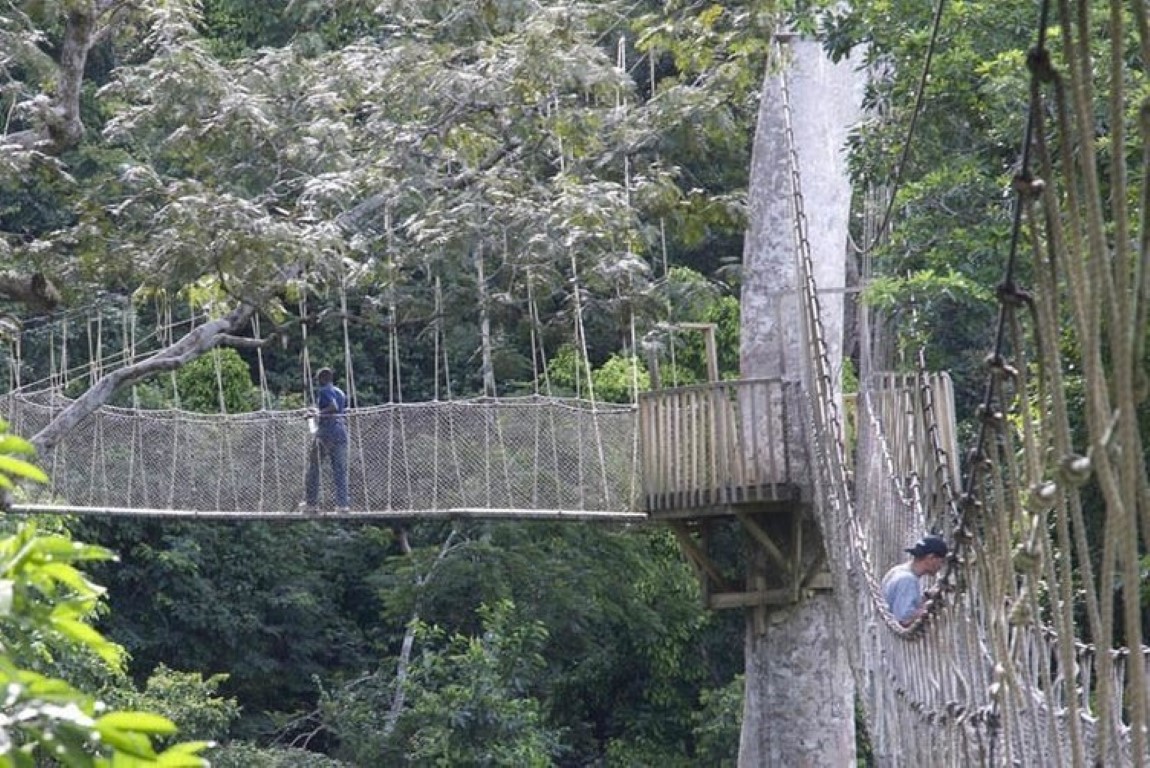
[(799, 705)]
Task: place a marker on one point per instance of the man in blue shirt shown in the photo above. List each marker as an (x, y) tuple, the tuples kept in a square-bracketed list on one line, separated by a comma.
[(329, 440), (902, 586)]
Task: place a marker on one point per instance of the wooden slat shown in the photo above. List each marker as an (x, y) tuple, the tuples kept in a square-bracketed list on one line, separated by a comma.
[(714, 444)]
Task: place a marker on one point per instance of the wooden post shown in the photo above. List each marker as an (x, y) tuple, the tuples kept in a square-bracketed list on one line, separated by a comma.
[(708, 330)]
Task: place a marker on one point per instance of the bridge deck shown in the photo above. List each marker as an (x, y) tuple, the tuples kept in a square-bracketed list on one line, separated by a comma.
[(569, 515)]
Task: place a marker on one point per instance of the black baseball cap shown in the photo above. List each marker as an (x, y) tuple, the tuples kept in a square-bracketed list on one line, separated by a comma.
[(929, 545)]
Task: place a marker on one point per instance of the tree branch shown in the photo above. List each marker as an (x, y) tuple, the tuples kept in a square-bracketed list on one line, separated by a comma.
[(404, 662), (195, 343), (245, 342), (35, 291), (62, 127)]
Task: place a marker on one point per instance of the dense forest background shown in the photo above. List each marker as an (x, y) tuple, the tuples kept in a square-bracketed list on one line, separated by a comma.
[(451, 199)]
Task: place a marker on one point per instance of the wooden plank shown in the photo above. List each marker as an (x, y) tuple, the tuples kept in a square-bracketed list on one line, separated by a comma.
[(645, 445), (734, 430), (679, 478), (697, 556), (690, 441), (750, 400)]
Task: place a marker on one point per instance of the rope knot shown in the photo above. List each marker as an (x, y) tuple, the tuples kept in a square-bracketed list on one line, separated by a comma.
[(1039, 63), (992, 417), (1013, 295), (1027, 561), (1026, 186), (1076, 468), (1021, 614), (1042, 496)]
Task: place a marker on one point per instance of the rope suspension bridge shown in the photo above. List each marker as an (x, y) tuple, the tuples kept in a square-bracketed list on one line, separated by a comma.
[(521, 457), (1001, 670)]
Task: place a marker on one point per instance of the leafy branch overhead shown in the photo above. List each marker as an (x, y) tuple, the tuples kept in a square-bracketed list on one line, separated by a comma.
[(514, 156)]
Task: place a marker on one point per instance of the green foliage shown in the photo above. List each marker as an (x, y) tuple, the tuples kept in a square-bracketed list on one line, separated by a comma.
[(219, 380), (14, 468), (46, 603), (246, 755), (919, 298), (615, 381), (682, 351), (718, 723), (189, 700), (625, 632), (273, 605), (469, 700), (48, 600), (618, 379)]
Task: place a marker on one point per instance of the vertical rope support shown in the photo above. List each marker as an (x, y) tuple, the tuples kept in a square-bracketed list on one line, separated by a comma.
[(396, 374), (308, 384), (305, 351), (353, 398), (95, 348), (435, 426), (449, 394), (167, 337), (268, 446), (128, 318), (581, 336), (54, 377), (633, 491), (537, 338), (64, 363), (14, 362), (228, 481)]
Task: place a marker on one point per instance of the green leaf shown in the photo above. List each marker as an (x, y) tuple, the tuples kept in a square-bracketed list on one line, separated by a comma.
[(72, 577), (62, 548), (21, 468), (89, 637), (185, 755), (13, 444), (143, 722), (130, 742)]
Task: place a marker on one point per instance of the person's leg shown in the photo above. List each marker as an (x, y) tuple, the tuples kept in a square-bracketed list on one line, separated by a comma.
[(339, 473), (311, 483)]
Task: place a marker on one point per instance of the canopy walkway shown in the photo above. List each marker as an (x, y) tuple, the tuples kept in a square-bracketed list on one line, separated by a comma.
[(678, 451), (1018, 660), (517, 457)]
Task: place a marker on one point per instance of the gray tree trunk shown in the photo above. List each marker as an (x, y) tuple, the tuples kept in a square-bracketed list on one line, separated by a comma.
[(799, 705)]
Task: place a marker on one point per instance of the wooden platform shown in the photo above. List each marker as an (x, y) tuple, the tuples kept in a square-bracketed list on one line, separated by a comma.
[(719, 470), (720, 502)]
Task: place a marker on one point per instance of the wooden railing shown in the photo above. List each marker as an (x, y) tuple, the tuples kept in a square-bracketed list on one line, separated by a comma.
[(716, 444)]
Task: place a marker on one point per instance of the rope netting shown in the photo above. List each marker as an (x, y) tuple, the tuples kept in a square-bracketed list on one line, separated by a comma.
[(530, 453), (995, 672)]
